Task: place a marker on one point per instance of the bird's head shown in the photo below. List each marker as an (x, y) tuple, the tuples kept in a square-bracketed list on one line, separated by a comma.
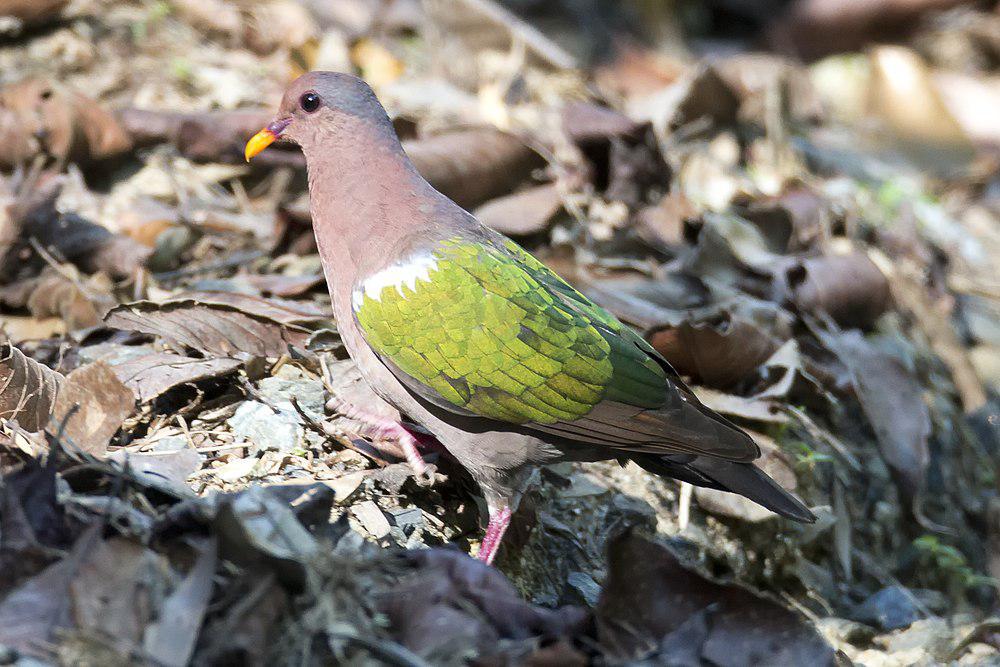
[(318, 105)]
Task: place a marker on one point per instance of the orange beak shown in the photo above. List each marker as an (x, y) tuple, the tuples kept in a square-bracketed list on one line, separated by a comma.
[(265, 137)]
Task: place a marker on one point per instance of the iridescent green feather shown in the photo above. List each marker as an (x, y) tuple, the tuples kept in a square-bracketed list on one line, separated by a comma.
[(495, 332)]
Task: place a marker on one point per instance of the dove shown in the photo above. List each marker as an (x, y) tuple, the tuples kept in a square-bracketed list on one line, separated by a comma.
[(475, 340)]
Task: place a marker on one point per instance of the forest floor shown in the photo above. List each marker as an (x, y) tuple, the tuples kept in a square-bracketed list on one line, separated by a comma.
[(813, 246)]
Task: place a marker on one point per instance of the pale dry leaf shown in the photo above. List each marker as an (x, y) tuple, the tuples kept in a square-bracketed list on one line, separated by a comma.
[(473, 166), (226, 325), (715, 351), (523, 213), (152, 375), (28, 389), (91, 405), (171, 639)]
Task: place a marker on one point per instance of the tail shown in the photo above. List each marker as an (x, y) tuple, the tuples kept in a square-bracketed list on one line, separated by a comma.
[(746, 479)]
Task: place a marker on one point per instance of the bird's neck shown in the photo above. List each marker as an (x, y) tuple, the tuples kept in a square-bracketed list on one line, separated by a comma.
[(365, 196)]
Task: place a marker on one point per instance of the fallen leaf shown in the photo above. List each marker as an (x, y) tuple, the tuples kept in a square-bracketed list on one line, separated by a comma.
[(449, 600), (849, 288), (32, 521), (698, 94), (90, 407), (81, 303), (892, 401), (716, 351), (523, 213), (27, 389), (815, 28), (33, 12), (587, 124), (225, 325), (88, 245), (277, 284), (167, 464), (171, 639), (36, 610), (649, 594), (662, 225), (473, 166), (483, 25), (152, 375), (109, 594), (57, 122)]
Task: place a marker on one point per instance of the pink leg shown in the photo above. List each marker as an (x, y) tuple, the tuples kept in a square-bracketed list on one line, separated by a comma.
[(379, 428), (494, 534)]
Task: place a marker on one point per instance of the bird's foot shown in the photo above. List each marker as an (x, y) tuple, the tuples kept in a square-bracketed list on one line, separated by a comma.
[(378, 428), (499, 521), (423, 472)]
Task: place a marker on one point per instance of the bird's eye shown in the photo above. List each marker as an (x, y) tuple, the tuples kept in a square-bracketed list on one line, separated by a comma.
[(309, 102)]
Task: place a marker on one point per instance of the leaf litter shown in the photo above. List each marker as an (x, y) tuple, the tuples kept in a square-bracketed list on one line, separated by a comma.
[(184, 479)]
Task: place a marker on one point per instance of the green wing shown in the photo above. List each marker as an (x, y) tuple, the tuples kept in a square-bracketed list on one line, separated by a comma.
[(487, 329)]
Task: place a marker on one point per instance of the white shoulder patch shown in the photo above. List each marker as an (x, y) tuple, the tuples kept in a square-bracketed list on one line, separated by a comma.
[(408, 272)]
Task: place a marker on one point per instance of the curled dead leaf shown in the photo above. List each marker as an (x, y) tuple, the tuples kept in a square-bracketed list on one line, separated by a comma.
[(473, 166), (79, 302), (90, 407), (33, 12), (849, 288), (717, 351), (225, 324), (651, 600), (43, 117), (892, 400), (523, 213), (27, 389), (151, 375)]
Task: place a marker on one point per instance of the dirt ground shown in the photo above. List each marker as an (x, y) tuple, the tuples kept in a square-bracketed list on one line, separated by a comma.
[(796, 202)]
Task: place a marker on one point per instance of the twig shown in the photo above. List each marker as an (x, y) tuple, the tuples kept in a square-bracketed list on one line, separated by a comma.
[(385, 650)]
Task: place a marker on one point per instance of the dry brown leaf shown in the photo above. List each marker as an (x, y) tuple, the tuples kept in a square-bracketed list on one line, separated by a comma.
[(653, 606), (225, 324), (277, 284), (171, 639), (89, 246), (473, 166), (815, 28), (40, 607), (33, 12), (523, 213), (717, 351), (151, 375), (662, 225), (43, 117), (893, 402), (475, 603), (482, 24), (109, 593), (284, 311), (637, 72), (585, 123), (90, 407), (79, 303), (27, 389), (849, 288)]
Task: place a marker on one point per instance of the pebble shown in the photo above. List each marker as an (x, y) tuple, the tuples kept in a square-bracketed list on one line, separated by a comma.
[(371, 518)]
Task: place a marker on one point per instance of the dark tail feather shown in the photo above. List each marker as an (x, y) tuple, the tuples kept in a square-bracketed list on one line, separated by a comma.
[(745, 479)]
